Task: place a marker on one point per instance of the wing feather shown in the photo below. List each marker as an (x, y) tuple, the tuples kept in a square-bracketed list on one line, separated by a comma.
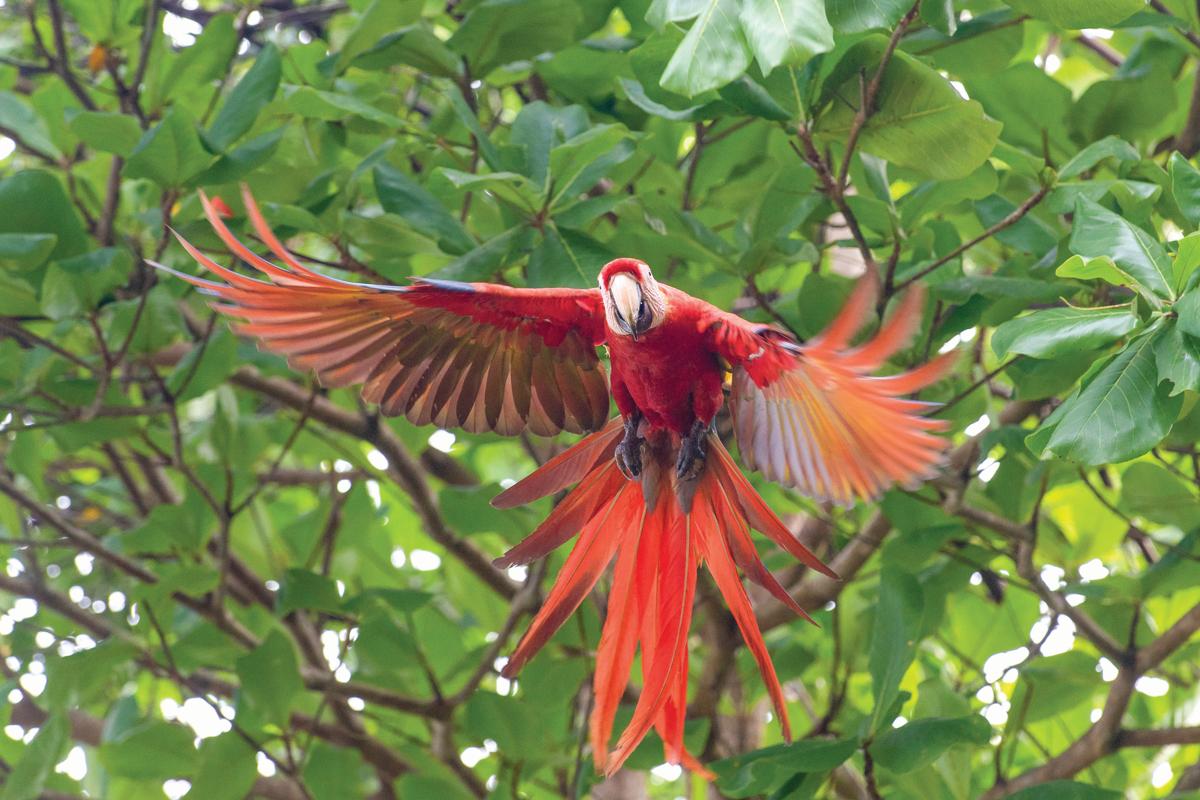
[(813, 417), (480, 356)]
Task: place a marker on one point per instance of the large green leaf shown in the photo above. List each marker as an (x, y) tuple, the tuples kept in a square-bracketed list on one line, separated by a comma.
[(29, 775), (919, 743), (856, 16), (1099, 233), (226, 768), (893, 638), (106, 131), (34, 202), (1153, 492), (401, 195), (920, 121), (247, 100), (270, 677), (1079, 13), (712, 54), (1122, 412), (1058, 331), (170, 152), (781, 32), (498, 32), (1185, 188), (22, 121), (152, 750), (766, 770)]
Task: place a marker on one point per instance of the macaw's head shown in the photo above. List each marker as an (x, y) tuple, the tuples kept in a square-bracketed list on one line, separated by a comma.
[(633, 301)]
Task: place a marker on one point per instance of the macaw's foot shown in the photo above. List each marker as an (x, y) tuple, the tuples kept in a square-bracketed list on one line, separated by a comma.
[(629, 452), (693, 450)]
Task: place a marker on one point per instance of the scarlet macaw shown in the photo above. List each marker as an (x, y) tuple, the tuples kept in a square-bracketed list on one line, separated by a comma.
[(488, 357)]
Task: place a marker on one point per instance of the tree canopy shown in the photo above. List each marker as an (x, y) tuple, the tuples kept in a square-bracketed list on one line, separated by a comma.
[(227, 581)]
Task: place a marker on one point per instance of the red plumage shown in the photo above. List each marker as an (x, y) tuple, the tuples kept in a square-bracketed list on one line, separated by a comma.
[(659, 496)]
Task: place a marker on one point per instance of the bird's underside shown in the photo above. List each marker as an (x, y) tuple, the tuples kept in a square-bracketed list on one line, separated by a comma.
[(486, 357)]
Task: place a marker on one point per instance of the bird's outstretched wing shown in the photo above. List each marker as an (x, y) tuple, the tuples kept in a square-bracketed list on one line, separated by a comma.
[(479, 356), (813, 417)]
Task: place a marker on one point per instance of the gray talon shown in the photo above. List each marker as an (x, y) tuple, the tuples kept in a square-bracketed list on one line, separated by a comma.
[(693, 450), (629, 452)]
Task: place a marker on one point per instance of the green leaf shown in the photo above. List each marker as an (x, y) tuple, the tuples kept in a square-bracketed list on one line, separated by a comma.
[(1187, 261), (920, 742), (482, 263), (893, 638), (204, 368), (1057, 331), (576, 165), (303, 589), (416, 46), (226, 768), (761, 771), (206, 60), (247, 100), (1188, 309), (270, 677), (153, 750), (1185, 188), (242, 160), (401, 195), (75, 285), (36, 765), (1108, 147), (1154, 493), (379, 18), (317, 104), (1178, 358), (106, 131), (921, 122), (21, 120), (21, 252), (780, 32), (333, 773), (498, 32), (1101, 268), (34, 202), (1099, 232), (1079, 13), (513, 188), (1121, 413), (170, 152), (567, 258), (712, 54), (511, 723), (855, 16), (1065, 790)]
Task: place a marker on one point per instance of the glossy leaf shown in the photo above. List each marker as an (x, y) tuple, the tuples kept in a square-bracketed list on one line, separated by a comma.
[(1121, 413), (1099, 232), (1057, 331), (921, 123)]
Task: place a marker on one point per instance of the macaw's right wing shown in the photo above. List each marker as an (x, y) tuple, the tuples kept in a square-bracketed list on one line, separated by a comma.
[(479, 356)]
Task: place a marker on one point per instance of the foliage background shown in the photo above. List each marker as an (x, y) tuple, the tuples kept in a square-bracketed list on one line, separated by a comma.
[(224, 580)]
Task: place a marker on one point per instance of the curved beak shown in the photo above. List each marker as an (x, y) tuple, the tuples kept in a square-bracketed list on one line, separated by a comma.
[(628, 303)]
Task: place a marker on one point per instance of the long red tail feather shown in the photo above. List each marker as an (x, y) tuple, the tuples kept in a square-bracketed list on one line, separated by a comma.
[(658, 548)]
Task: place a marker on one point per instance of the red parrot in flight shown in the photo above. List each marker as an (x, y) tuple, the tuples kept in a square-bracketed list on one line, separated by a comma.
[(657, 490)]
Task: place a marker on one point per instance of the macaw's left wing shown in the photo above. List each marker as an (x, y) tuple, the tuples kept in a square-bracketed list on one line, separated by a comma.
[(813, 417), (480, 356)]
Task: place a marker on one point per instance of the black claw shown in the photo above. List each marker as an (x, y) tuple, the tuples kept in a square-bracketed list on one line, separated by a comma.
[(693, 450), (629, 452)]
